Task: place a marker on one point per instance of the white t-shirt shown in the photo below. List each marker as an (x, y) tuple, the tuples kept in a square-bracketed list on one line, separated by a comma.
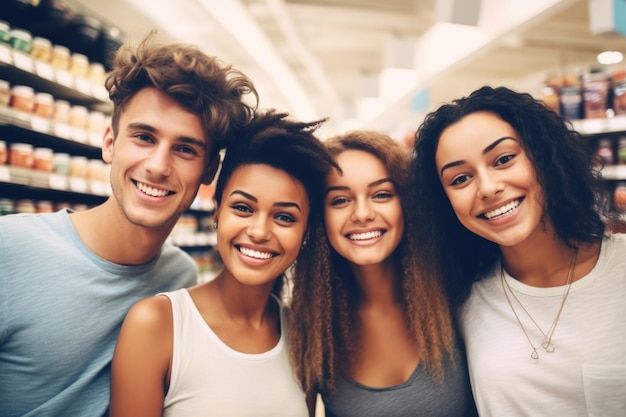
[(584, 376), (211, 379)]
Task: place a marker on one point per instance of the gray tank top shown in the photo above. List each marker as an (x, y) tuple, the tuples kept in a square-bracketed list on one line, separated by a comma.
[(418, 396)]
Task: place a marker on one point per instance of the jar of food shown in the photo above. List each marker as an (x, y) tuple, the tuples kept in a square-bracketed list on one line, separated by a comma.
[(41, 49), (21, 155), (5, 32), (79, 117), (619, 197), (605, 151), (44, 105), (78, 166), (621, 151), (5, 93), (44, 207), (596, 88), (96, 73), (79, 65), (61, 162), (62, 111), (619, 92), (23, 98), (43, 159), (21, 40), (4, 155), (25, 206), (6, 206), (60, 57)]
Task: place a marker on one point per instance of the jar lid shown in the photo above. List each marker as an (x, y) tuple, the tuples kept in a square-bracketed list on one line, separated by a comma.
[(61, 50), (44, 98), (61, 156), (39, 41), (22, 146), (21, 34), (62, 103), (23, 90)]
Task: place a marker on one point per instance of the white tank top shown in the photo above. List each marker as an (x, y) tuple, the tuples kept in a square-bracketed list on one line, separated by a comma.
[(211, 379)]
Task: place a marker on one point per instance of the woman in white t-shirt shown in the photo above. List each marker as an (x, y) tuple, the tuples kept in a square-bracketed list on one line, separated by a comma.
[(509, 200)]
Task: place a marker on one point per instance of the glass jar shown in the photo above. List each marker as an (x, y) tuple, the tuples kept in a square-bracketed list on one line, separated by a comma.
[(41, 49), (79, 65), (5, 93), (619, 197), (605, 151), (79, 117), (78, 166), (21, 155), (21, 40), (60, 57), (61, 162), (43, 159), (44, 105), (23, 98), (4, 155), (5, 32), (62, 111)]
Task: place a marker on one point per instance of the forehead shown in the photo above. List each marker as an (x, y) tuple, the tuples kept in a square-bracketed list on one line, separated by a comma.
[(266, 182), (358, 164), (472, 134)]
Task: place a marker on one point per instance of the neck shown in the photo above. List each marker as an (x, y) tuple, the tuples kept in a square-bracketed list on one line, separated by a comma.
[(109, 235), (377, 282), (241, 302)]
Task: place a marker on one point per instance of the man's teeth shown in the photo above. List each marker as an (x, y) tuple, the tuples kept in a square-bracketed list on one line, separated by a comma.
[(365, 236), (154, 192), (255, 253), (502, 210)]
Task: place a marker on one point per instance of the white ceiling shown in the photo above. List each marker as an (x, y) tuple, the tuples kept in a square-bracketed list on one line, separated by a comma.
[(313, 57)]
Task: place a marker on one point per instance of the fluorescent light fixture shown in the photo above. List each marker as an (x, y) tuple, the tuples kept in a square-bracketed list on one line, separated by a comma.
[(610, 57)]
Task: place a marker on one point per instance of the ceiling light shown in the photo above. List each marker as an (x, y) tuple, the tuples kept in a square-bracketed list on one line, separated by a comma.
[(610, 57)]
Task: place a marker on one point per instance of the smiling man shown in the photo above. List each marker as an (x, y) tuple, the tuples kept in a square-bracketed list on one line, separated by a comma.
[(69, 278)]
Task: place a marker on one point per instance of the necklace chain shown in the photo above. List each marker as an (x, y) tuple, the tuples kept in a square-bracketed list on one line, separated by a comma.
[(546, 344)]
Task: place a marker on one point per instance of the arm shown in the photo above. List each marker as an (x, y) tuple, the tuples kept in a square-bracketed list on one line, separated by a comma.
[(141, 362)]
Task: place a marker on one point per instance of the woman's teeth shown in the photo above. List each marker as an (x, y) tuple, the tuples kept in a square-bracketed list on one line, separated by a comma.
[(501, 210), (365, 236), (255, 253)]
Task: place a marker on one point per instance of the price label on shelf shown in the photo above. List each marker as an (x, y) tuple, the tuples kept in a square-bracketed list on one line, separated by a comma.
[(5, 54), (65, 78), (57, 182), (23, 61), (5, 175), (44, 70), (39, 124)]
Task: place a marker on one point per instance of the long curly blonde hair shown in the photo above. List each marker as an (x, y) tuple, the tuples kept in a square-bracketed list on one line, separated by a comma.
[(324, 324)]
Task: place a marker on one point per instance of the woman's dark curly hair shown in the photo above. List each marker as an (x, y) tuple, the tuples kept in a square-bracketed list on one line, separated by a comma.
[(290, 146), (200, 83), (324, 323), (564, 166)]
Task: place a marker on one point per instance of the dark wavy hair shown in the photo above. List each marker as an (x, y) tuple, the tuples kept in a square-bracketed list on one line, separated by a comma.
[(324, 323), (290, 146), (200, 83), (564, 166)]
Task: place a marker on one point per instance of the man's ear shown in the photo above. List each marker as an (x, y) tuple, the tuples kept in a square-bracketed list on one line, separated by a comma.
[(211, 170), (107, 145)]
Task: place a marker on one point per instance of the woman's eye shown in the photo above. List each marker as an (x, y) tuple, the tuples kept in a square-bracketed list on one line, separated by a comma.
[(459, 179), (337, 201), (383, 195), (241, 208), (504, 159), (287, 218)]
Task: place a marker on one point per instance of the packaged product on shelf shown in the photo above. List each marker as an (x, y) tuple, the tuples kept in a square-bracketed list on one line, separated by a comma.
[(550, 97), (605, 151), (21, 40), (79, 117), (96, 73), (44, 206), (5, 93), (41, 49), (21, 155), (619, 92), (7, 206), (79, 65), (571, 102), (43, 159), (619, 196), (78, 166), (44, 105), (60, 57), (62, 112), (25, 206), (23, 98), (61, 162), (621, 150), (5, 29), (4, 156), (595, 95)]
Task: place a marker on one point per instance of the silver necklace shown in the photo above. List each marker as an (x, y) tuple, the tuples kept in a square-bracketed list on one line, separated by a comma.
[(546, 344)]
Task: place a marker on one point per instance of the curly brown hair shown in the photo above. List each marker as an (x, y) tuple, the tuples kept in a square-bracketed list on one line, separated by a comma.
[(324, 325), (200, 83)]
